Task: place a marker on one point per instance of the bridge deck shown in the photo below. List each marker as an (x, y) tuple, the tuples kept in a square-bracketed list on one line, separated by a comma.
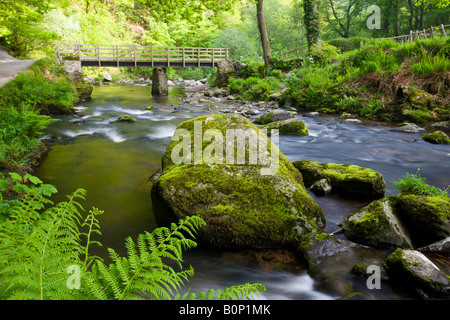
[(96, 55)]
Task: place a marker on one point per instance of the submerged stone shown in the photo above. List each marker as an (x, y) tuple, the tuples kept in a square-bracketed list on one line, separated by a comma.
[(345, 179), (242, 207), (377, 225), (414, 270)]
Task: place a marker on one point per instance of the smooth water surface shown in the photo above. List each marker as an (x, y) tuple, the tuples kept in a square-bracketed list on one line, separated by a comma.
[(113, 162)]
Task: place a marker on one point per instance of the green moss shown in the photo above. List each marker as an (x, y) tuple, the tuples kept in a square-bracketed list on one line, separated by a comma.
[(150, 108), (344, 178), (291, 127), (126, 118), (436, 137), (428, 217)]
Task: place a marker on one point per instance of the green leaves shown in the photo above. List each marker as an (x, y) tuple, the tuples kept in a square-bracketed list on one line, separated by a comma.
[(41, 242)]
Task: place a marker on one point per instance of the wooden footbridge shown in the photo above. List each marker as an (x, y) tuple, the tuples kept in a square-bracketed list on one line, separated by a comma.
[(99, 55)]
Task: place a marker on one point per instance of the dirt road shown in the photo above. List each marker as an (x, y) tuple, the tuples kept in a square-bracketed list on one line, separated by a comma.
[(10, 67)]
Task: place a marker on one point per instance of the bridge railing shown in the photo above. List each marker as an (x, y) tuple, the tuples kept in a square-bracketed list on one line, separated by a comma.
[(181, 56)]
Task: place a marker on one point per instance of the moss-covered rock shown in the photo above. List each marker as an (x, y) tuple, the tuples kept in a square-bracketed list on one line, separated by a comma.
[(241, 206), (436, 137), (427, 217), (415, 271), (126, 118), (275, 115), (292, 126), (419, 98), (377, 225), (345, 179)]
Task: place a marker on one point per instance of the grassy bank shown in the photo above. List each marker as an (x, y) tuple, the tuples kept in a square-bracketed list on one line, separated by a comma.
[(380, 80), (25, 105)]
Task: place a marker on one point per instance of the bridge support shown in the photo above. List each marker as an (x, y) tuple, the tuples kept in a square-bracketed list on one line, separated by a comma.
[(159, 82)]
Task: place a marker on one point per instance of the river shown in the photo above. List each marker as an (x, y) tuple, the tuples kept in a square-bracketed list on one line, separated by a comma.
[(113, 162)]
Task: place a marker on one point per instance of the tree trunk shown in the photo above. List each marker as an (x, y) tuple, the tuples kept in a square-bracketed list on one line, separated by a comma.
[(263, 33)]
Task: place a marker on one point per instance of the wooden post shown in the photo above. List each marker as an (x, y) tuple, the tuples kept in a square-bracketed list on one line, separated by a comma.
[(98, 55), (212, 57), (168, 56), (151, 49), (78, 52), (443, 31), (227, 53), (117, 55), (58, 54), (184, 57), (198, 57)]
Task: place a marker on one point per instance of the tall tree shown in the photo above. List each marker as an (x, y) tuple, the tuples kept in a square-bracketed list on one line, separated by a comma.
[(311, 19), (344, 13), (263, 32)]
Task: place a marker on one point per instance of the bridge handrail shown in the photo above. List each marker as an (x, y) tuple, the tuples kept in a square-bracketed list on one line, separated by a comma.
[(135, 53)]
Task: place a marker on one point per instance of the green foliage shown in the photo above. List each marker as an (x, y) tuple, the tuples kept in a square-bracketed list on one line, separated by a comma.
[(42, 244), (415, 184), (241, 46), (45, 85), (19, 132), (429, 64), (285, 64), (254, 88), (20, 25), (347, 44)]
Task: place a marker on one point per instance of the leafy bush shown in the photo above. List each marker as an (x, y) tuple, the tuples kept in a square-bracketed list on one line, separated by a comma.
[(254, 88), (415, 184), (19, 132), (429, 64), (347, 44), (45, 85), (41, 244)]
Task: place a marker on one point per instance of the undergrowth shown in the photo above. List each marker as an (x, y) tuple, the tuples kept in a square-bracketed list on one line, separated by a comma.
[(44, 252)]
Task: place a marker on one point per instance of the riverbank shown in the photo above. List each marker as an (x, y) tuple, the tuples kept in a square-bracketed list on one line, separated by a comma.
[(26, 104)]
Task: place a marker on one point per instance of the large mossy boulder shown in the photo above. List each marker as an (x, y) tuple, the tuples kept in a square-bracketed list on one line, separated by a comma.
[(377, 225), (427, 217), (414, 270), (274, 115), (242, 206), (293, 126), (345, 179)]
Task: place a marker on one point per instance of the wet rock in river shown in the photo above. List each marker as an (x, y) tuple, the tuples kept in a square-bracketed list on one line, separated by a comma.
[(293, 126), (275, 115), (427, 217), (377, 225), (437, 137), (414, 270), (242, 207), (345, 179)]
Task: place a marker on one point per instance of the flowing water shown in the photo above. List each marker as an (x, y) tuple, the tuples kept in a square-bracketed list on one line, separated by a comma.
[(113, 162)]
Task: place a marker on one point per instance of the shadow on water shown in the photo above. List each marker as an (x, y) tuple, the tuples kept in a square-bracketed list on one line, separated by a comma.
[(113, 162)]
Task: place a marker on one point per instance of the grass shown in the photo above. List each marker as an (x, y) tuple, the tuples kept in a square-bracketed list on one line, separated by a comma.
[(415, 184)]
